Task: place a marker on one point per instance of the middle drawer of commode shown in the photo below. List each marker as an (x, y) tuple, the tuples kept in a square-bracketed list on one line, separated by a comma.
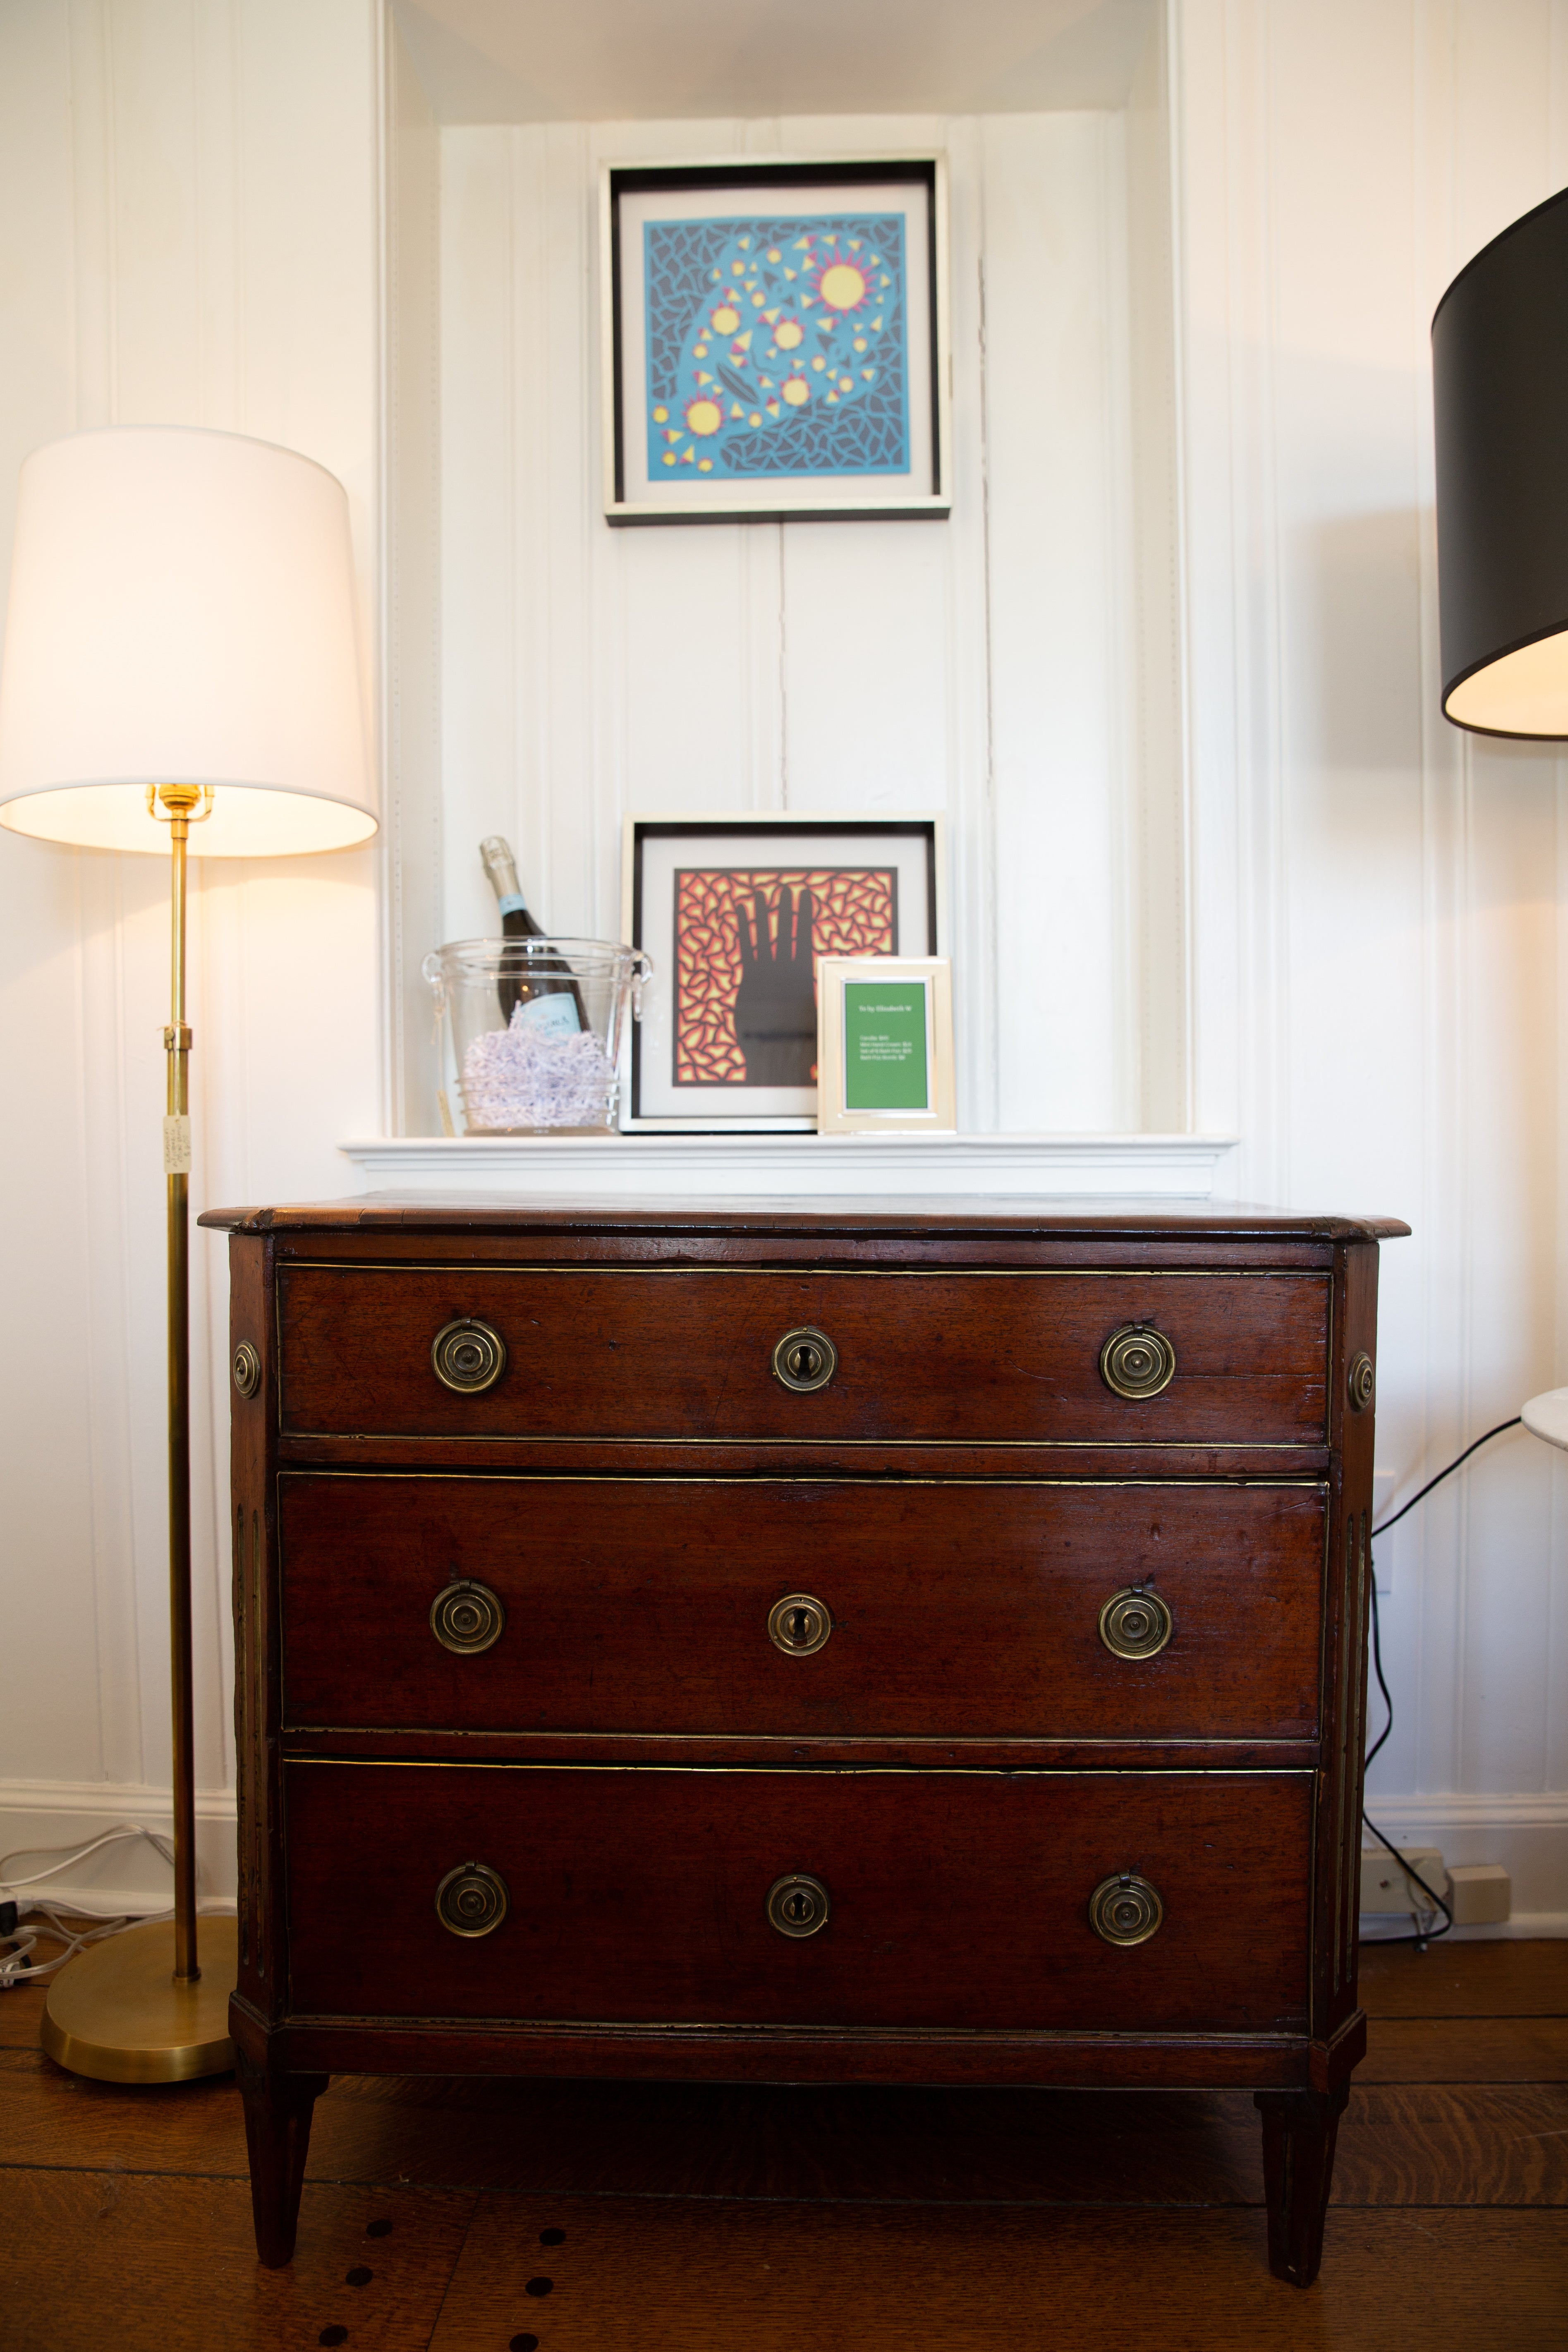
[(956, 1610)]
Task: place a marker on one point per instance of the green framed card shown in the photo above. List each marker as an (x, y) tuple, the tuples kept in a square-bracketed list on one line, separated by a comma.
[(884, 1049)]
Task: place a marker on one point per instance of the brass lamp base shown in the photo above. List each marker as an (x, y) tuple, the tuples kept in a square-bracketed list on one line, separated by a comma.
[(117, 2015)]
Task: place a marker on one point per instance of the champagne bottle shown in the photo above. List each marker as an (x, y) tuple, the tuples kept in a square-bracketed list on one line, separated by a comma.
[(554, 1006)]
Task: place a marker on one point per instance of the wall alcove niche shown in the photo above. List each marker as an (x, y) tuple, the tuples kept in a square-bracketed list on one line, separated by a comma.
[(1015, 666)]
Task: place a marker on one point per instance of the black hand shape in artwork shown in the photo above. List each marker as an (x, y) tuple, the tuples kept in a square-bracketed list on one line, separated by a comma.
[(776, 1005)]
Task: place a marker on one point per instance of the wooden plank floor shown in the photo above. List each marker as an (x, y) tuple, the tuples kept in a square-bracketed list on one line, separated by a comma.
[(474, 2217)]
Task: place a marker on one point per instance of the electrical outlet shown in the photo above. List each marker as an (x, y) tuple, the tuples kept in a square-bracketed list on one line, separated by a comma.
[(1386, 1887), (1383, 1483)]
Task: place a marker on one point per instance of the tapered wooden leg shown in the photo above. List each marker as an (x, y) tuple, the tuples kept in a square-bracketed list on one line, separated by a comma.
[(277, 2109), (1298, 2132)]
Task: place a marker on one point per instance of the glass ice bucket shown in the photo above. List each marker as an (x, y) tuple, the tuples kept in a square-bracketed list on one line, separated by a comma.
[(531, 1031)]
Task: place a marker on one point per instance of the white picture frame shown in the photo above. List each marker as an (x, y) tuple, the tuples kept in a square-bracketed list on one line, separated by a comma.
[(882, 1054)]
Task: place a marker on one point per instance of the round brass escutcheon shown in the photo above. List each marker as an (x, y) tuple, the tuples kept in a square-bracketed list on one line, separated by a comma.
[(1125, 1909), (468, 1617), (246, 1369), (798, 1905), (472, 1900), (1136, 1623), (798, 1624), (468, 1356), (1137, 1361), (804, 1359), (1360, 1381)]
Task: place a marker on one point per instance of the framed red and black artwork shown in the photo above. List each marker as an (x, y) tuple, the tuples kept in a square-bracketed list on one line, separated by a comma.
[(736, 911)]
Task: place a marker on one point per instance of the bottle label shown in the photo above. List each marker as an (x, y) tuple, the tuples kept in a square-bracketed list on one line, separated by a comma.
[(177, 1145), (513, 903), (548, 1017)]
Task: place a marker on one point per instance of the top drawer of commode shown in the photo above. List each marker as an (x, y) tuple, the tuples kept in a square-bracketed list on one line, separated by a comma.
[(733, 1354)]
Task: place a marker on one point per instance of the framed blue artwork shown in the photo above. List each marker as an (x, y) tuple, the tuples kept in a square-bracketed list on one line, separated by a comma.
[(775, 340)]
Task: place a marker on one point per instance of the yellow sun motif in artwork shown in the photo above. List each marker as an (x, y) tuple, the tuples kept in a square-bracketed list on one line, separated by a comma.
[(788, 333), (795, 390), (842, 286), (725, 319), (703, 416)]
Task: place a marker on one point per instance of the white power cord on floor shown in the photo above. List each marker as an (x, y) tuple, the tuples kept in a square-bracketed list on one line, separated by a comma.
[(16, 1965)]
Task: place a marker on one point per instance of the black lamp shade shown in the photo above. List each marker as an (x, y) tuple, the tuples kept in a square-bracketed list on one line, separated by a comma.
[(1499, 369)]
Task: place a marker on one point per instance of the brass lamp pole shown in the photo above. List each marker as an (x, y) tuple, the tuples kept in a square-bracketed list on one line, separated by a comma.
[(181, 650), (119, 2012), (180, 799)]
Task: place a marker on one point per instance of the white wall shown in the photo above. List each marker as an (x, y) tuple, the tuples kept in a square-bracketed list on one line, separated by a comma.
[(983, 666), (1378, 900), (188, 223)]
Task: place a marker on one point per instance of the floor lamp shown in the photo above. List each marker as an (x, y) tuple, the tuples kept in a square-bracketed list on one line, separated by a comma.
[(1499, 376), (181, 676)]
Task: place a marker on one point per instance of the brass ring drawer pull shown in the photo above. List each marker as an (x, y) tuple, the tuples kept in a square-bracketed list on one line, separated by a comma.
[(468, 1356), (1136, 1623), (468, 1617), (804, 1359), (1137, 1361), (472, 1900), (1126, 1909), (798, 1625), (1360, 1383), (246, 1369), (798, 1905)]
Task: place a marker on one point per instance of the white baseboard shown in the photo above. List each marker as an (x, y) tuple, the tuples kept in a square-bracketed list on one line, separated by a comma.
[(43, 1821), (1528, 1834)]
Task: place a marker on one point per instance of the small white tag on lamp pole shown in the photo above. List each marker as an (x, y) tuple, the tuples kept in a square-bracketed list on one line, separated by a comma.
[(177, 1144)]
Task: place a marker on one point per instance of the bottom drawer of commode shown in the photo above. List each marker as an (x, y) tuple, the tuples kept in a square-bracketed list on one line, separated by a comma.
[(957, 1900)]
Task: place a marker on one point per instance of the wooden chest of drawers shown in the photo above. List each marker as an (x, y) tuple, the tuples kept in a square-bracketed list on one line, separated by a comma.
[(835, 1646)]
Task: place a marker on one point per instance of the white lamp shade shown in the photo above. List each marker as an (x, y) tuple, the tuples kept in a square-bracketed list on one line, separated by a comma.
[(182, 612)]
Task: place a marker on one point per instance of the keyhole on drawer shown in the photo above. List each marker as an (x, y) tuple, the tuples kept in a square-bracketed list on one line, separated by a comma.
[(799, 1624), (798, 1905), (804, 1359)]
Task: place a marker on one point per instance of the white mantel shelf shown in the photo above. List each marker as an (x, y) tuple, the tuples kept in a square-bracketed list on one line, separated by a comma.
[(650, 1168)]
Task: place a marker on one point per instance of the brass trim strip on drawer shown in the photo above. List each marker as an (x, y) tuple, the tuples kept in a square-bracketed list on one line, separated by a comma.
[(897, 1481), (1043, 2038), (1138, 1772), (478, 1268), (821, 1444)]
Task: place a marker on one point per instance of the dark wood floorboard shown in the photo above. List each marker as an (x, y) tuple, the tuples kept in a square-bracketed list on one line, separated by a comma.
[(682, 2276), (1466, 1980), (132, 2264), (706, 2218), (1466, 2050)]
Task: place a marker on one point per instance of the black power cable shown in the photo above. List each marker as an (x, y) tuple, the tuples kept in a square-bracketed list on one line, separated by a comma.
[(1420, 1940)]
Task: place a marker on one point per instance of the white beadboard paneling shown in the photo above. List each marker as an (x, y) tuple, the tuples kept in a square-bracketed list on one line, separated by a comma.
[(410, 846), (189, 208), (1059, 468), (865, 665), (1377, 958)]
